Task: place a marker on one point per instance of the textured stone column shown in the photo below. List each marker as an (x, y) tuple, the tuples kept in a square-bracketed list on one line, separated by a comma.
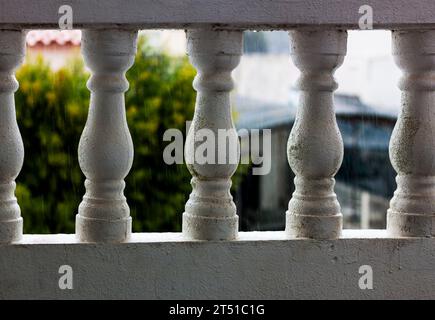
[(210, 213), (412, 145), (315, 146), (106, 149), (12, 51)]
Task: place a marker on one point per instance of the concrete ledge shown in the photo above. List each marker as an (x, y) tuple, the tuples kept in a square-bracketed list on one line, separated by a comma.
[(260, 265), (254, 14)]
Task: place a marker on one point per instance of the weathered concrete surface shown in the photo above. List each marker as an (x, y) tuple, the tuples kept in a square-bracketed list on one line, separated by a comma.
[(210, 212), (388, 14), (12, 47), (105, 150), (315, 146), (260, 265), (412, 143)]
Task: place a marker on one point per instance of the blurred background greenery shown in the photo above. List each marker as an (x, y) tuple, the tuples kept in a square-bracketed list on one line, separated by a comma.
[(52, 108)]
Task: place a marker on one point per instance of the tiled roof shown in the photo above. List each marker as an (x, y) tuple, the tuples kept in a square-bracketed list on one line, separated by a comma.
[(362, 133), (49, 37)]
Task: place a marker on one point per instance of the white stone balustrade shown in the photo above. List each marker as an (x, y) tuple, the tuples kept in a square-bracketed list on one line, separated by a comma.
[(106, 147), (252, 265), (210, 212), (12, 50), (315, 147), (412, 145)]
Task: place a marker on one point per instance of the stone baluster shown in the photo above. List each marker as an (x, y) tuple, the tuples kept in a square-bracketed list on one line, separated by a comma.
[(210, 213), (106, 148), (315, 146), (412, 144), (12, 50)]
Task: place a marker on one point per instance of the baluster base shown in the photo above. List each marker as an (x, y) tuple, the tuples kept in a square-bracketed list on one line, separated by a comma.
[(102, 230), (210, 228), (412, 208), (313, 211), (401, 224), (314, 226), (11, 230)]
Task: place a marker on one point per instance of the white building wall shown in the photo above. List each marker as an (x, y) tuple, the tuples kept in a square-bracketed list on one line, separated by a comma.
[(368, 71)]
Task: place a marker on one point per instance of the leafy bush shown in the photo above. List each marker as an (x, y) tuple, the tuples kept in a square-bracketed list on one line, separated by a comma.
[(160, 97), (51, 112), (52, 107)]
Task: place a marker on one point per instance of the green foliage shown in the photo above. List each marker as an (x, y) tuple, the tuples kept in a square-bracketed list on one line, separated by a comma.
[(52, 108), (160, 97), (51, 112)]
